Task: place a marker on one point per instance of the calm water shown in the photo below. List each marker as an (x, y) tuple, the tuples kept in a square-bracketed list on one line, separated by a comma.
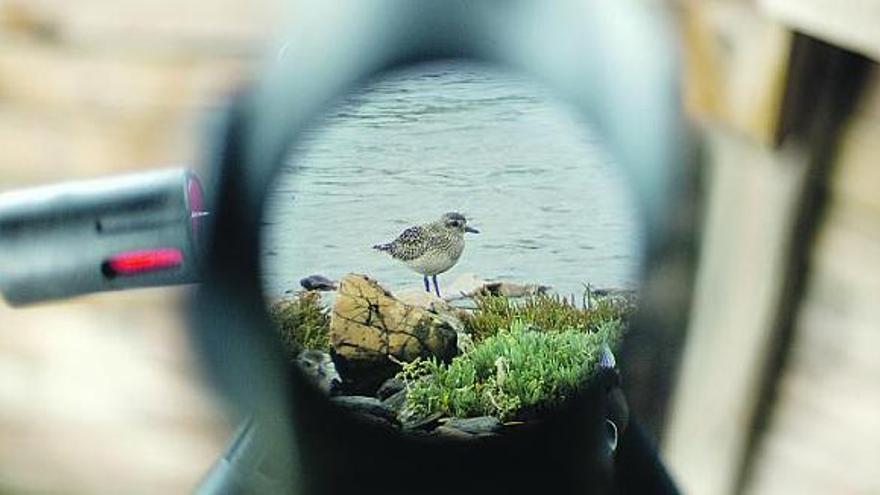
[(550, 204)]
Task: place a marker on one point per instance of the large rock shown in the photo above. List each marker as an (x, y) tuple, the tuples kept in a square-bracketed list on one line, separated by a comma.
[(421, 298), (475, 426), (390, 387), (370, 409), (468, 428), (443, 309), (371, 332), (397, 401)]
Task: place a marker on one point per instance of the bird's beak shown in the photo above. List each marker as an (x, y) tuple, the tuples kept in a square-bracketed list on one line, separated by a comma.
[(471, 230)]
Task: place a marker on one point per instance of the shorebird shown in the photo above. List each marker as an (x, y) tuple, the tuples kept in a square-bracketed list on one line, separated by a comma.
[(432, 248)]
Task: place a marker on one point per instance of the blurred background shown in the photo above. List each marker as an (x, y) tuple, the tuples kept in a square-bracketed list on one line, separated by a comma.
[(771, 386), (103, 394)]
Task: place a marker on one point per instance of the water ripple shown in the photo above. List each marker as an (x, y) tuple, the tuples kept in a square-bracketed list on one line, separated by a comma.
[(551, 206)]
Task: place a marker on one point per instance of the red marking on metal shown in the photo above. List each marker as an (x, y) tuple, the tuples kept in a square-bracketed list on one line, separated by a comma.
[(144, 260)]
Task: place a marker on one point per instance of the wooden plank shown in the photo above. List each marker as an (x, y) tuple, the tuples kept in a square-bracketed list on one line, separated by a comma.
[(111, 82), (825, 433), (736, 67), (158, 26), (41, 147), (857, 169), (102, 395), (91, 88), (852, 24), (89, 112), (752, 195)]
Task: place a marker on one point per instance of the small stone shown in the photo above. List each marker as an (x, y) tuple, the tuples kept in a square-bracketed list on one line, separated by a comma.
[(396, 401), (426, 423), (390, 387), (466, 285), (469, 285), (606, 358), (511, 289), (475, 426), (317, 282), (624, 294), (366, 406), (319, 369), (451, 433)]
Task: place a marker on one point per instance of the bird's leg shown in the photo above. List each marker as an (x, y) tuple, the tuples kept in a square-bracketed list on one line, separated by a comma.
[(436, 287), (427, 285)]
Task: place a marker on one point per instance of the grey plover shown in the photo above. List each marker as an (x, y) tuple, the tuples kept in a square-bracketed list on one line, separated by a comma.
[(432, 248)]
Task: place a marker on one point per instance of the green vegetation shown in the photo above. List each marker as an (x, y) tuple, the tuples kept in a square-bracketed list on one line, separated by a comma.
[(548, 313), (528, 356), (515, 373), (302, 323), (541, 351)]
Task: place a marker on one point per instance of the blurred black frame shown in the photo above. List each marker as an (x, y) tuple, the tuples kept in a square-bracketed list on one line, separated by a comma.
[(613, 61)]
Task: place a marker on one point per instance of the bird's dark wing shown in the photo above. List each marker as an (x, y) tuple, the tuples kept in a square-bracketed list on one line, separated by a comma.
[(410, 244), (410, 235)]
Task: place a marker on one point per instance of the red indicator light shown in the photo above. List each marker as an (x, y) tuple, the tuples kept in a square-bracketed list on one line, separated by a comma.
[(142, 261)]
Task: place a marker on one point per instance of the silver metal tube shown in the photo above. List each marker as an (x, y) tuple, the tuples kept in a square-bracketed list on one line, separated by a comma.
[(138, 230)]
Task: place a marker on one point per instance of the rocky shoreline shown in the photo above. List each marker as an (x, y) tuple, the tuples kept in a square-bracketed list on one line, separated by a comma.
[(396, 360)]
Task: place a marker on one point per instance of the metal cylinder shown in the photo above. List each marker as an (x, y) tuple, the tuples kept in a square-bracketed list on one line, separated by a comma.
[(138, 230)]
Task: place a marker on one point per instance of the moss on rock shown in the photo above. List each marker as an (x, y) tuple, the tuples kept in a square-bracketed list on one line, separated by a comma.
[(518, 372), (544, 311)]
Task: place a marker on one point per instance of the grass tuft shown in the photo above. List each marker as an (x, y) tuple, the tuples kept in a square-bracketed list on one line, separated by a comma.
[(547, 312), (302, 323)]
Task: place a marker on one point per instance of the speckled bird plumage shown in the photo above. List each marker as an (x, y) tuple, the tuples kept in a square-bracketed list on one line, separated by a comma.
[(432, 248)]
